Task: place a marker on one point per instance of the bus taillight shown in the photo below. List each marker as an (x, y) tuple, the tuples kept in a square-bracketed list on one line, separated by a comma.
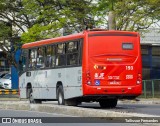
[(88, 78), (139, 78)]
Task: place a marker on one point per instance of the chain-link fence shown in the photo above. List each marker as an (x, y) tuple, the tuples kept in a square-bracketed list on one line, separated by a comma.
[(151, 89)]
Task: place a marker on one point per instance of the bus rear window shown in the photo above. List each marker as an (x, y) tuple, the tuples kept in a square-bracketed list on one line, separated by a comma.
[(127, 46)]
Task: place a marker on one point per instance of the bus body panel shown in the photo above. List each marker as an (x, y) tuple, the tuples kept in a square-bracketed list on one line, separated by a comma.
[(22, 86), (44, 82)]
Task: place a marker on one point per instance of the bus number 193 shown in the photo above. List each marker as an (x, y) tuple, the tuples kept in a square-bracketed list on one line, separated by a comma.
[(129, 67)]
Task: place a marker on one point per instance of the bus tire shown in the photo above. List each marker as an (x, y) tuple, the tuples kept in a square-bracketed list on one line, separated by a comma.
[(31, 98), (60, 95), (109, 103)]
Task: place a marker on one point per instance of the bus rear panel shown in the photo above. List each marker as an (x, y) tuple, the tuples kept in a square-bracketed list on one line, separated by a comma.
[(113, 65)]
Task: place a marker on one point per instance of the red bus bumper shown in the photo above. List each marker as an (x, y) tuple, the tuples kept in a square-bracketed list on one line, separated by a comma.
[(113, 90)]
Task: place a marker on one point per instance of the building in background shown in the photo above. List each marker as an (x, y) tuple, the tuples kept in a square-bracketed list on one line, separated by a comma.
[(150, 47)]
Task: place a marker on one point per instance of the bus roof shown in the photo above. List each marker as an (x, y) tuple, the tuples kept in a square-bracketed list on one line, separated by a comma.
[(112, 33), (53, 40), (78, 36)]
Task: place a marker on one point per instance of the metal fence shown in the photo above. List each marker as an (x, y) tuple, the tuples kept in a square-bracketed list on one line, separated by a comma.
[(151, 88)]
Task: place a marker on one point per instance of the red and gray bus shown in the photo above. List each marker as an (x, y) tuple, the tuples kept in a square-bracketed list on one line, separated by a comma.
[(92, 66)]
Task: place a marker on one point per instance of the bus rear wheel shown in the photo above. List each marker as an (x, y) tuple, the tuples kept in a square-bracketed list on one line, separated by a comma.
[(109, 103), (60, 96)]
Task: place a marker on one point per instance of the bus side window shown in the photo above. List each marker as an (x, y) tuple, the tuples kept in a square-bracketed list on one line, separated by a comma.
[(72, 53), (41, 57), (61, 58), (23, 61), (72, 59), (72, 47), (32, 58), (61, 48), (50, 56), (29, 59)]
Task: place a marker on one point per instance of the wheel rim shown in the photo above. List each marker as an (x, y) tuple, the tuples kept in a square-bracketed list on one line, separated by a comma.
[(31, 98), (60, 99)]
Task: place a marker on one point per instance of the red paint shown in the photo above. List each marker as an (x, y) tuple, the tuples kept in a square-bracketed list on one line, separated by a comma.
[(104, 61)]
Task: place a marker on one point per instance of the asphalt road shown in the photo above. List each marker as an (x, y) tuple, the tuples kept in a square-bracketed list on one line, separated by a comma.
[(151, 109), (20, 113), (27, 114)]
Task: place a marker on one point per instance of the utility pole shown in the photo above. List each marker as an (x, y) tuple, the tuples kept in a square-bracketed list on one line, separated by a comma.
[(111, 16), (111, 21)]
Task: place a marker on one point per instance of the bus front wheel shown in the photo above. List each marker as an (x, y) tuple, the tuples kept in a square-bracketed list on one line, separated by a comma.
[(60, 96), (109, 103)]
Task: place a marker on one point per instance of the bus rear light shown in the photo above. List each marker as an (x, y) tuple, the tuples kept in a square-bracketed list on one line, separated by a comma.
[(139, 79), (88, 78), (89, 82), (139, 75), (138, 82)]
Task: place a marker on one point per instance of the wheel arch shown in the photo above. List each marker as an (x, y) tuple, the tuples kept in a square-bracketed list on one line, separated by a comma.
[(59, 83)]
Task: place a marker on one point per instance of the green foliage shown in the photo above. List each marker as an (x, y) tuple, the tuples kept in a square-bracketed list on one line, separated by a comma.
[(5, 30), (41, 19), (51, 16), (38, 32), (35, 20), (133, 15)]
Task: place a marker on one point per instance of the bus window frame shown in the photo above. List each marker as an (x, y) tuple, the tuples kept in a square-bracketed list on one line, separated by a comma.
[(72, 53), (43, 56), (29, 58), (52, 57), (22, 67), (79, 52), (61, 55)]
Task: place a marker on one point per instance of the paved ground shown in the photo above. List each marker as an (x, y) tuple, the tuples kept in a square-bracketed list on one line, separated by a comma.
[(142, 101), (137, 101), (150, 101), (8, 103)]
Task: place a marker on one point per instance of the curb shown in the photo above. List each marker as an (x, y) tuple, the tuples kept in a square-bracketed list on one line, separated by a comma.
[(121, 101), (69, 110)]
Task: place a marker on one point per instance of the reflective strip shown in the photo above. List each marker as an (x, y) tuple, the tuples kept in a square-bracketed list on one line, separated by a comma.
[(14, 92), (6, 92)]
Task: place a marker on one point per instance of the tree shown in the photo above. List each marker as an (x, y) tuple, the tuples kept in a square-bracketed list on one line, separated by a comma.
[(40, 19), (53, 15), (12, 11), (133, 15)]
